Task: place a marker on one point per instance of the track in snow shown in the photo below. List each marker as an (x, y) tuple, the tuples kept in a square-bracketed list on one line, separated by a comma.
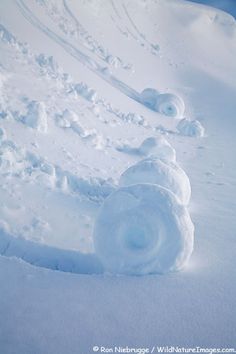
[(90, 63), (135, 33), (48, 257)]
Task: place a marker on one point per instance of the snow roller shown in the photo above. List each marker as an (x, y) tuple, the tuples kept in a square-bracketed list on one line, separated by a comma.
[(168, 104)]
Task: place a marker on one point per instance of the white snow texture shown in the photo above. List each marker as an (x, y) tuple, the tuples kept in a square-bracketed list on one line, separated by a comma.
[(142, 229)]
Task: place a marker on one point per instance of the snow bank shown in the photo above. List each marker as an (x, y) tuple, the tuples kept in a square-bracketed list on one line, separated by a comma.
[(191, 128), (156, 171), (36, 116), (170, 105), (142, 229)]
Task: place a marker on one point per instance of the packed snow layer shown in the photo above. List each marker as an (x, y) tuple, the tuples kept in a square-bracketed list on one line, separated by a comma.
[(160, 172), (142, 229)]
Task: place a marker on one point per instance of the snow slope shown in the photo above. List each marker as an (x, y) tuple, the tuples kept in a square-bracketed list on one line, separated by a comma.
[(72, 120), (225, 5)]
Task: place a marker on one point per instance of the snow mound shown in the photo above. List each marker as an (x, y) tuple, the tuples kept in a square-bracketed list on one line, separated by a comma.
[(142, 229), (190, 128), (163, 173), (149, 97), (86, 92), (170, 105), (36, 116), (158, 146), (48, 65), (135, 118), (69, 119), (6, 36)]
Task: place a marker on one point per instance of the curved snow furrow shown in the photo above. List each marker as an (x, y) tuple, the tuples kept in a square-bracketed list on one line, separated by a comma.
[(77, 54), (125, 32), (140, 37), (153, 46), (48, 257), (115, 10)]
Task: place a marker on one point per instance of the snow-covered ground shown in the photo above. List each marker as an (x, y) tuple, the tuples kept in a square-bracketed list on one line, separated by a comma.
[(96, 96)]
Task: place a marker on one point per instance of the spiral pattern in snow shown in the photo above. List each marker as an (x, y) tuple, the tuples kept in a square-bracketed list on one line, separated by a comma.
[(142, 229), (170, 105)]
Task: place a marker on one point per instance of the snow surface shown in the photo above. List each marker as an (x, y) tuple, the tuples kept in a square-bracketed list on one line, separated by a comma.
[(73, 118)]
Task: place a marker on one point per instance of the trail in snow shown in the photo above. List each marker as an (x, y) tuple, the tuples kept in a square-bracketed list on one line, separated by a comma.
[(87, 61), (48, 257), (125, 32), (48, 67), (101, 52), (138, 36), (77, 54), (154, 47)]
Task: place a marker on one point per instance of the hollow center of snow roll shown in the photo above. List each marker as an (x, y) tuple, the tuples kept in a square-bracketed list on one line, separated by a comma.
[(136, 238), (170, 110)]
